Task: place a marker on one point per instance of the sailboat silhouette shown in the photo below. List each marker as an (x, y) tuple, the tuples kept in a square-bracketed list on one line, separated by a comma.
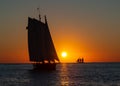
[(40, 45)]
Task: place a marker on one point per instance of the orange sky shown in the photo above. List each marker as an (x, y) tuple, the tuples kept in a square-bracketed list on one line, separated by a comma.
[(89, 29)]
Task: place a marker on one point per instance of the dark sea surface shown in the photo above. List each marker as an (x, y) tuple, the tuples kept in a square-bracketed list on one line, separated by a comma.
[(88, 74)]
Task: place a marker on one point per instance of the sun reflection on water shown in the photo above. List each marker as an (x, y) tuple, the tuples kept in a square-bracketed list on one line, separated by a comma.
[(64, 78)]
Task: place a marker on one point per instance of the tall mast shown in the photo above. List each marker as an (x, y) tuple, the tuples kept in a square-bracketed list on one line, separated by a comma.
[(45, 20), (39, 14)]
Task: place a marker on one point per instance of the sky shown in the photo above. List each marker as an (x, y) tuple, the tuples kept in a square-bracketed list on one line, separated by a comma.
[(81, 28)]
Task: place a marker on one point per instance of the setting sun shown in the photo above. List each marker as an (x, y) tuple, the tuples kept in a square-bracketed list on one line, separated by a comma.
[(64, 54)]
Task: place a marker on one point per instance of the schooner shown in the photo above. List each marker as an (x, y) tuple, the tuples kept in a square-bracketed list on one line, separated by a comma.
[(40, 45)]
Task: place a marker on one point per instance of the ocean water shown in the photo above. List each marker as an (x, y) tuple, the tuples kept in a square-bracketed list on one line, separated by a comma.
[(88, 74)]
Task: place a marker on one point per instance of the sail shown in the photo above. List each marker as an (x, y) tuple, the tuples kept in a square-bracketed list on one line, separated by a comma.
[(40, 44), (49, 46)]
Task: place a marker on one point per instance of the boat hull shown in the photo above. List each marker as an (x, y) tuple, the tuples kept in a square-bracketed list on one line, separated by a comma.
[(46, 66)]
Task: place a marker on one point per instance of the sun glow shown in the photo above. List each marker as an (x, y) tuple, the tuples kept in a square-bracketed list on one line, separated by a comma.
[(64, 54)]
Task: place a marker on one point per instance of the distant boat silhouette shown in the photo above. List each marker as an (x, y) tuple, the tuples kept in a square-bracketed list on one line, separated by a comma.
[(80, 60), (40, 45)]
